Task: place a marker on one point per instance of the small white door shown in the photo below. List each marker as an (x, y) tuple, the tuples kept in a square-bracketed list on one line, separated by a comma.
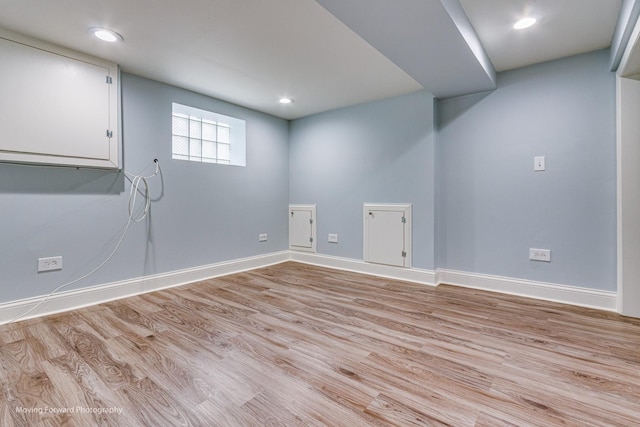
[(57, 107), (387, 234), (302, 227)]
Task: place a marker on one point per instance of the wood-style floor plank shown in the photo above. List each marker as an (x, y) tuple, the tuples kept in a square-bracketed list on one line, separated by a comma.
[(298, 345)]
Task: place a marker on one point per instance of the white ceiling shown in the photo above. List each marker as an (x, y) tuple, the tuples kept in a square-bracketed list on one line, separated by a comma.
[(564, 28), (251, 52)]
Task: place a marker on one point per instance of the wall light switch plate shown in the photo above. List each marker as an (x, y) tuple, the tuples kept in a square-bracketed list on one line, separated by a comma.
[(539, 164), (540, 255), (333, 238)]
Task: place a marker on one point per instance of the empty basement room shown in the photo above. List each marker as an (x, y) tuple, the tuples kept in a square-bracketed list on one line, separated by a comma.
[(320, 213)]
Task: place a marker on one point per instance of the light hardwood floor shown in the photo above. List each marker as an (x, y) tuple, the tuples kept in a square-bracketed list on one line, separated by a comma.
[(297, 345)]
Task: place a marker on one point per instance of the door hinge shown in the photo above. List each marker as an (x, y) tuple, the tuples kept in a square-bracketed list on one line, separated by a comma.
[(311, 239), (404, 220), (109, 134), (404, 254), (310, 221), (109, 80)]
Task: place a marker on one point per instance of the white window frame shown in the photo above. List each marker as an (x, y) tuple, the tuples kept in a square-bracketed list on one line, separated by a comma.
[(207, 137)]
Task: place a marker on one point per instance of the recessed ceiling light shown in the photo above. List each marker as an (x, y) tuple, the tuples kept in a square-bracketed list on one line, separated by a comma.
[(524, 23), (105, 34), (286, 100)]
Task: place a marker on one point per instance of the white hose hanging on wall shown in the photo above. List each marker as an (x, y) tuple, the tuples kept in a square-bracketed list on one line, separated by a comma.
[(135, 184), (135, 190)]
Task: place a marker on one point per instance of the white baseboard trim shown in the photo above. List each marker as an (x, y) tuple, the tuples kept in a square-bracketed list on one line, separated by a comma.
[(75, 299), (584, 297), (70, 300), (425, 277)]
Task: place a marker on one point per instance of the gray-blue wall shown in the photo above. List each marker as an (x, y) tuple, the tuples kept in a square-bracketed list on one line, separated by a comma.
[(202, 213), (379, 152), (477, 204), (493, 207)]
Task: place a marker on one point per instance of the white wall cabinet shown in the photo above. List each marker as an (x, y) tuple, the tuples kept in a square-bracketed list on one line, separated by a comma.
[(58, 106), (302, 228), (387, 234)]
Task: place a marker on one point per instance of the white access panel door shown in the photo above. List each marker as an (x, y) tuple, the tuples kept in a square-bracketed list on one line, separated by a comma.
[(302, 226), (57, 106), (387, 231)]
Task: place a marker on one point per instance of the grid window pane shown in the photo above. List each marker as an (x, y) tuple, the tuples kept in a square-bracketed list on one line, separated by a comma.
[(208, 131), (205, 136), (208, 150), (195, 148), (195, 129), (180, 126), (223, 134), (180, 145)]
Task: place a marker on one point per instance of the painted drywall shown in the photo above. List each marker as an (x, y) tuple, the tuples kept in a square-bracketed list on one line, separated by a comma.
[(628, 153), (492, 206), (201, 213), (379, 152)]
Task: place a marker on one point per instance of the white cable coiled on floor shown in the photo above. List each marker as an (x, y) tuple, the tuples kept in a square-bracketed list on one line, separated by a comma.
[(136, 180)]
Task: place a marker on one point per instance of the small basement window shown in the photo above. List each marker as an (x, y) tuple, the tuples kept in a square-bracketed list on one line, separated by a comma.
[(207, 137)]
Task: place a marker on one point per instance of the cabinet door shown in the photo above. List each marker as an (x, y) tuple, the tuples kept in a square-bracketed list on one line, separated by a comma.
[(57, 107), (302, 228), (386, 235)]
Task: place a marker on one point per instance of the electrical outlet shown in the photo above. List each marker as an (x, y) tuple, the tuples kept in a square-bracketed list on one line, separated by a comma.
[(333, 238), (49, 264), (539, 164), (262, 237), (540, 255)]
